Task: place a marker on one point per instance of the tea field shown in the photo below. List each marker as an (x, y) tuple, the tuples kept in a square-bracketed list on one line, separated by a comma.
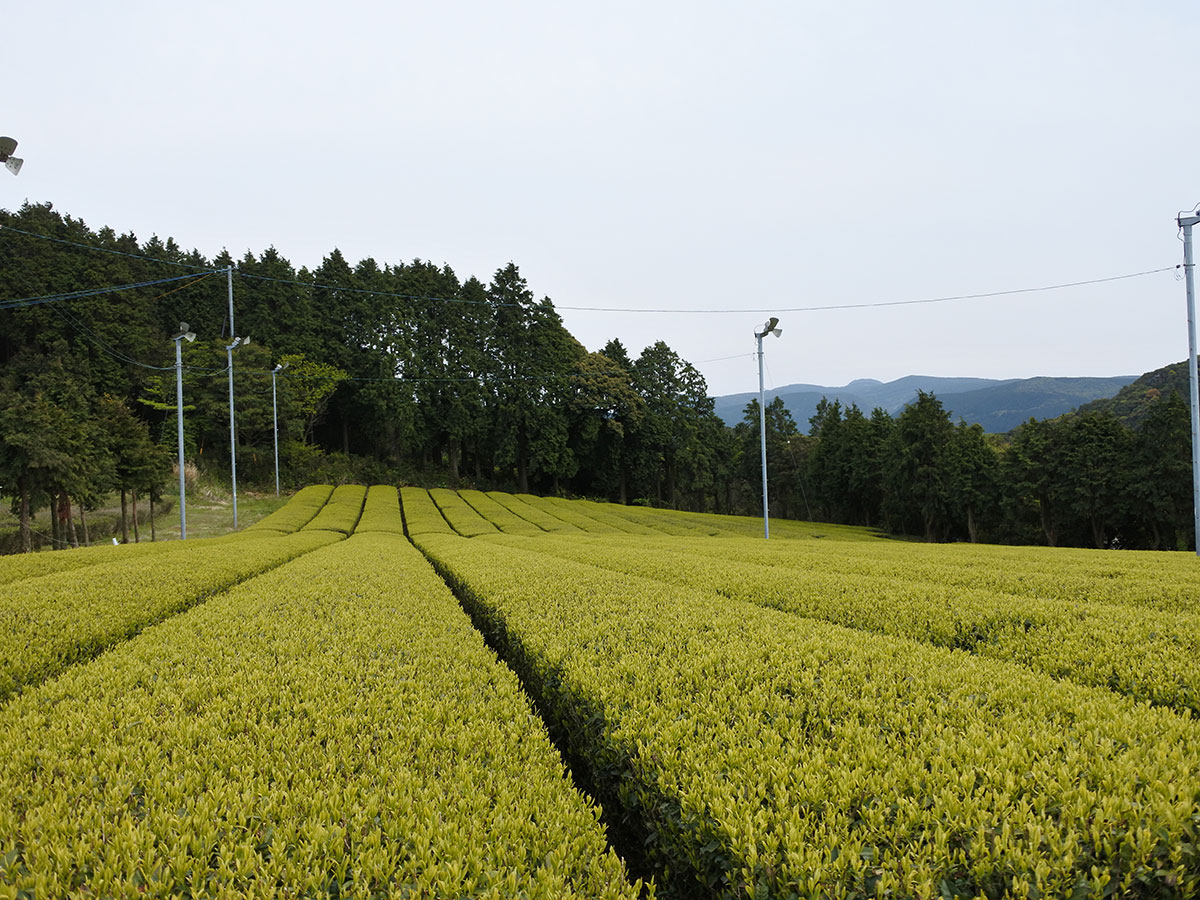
[(410, 693)]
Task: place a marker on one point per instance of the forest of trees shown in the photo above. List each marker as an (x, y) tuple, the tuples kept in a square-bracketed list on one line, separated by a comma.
[(404, 372), (1085, 479)]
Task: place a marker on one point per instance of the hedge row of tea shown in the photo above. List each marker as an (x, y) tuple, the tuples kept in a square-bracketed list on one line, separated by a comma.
[(334, 727), (297, 512), (474, 513), (1149, 654), (381, 511), (792, 718), (759, 753), (52, 622)]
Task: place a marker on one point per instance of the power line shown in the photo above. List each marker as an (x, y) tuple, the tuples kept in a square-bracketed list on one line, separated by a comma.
[(701, 362), (96, 292), (46, 237), (99, 342), (617, 309), (728, 311), (315, 285), (870, 305)]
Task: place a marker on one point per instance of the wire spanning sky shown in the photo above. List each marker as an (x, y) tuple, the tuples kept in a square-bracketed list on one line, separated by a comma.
[(669, 155)]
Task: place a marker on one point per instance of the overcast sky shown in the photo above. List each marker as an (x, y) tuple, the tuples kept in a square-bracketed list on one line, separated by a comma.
[(671, 155)]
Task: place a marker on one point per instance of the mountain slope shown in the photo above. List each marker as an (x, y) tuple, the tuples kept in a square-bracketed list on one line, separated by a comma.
[(1003, 407), (1131, 402), (998, 405)]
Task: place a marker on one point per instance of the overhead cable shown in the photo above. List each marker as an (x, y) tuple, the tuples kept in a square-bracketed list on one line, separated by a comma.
[(95, 292), (617, 309), (46, 237)]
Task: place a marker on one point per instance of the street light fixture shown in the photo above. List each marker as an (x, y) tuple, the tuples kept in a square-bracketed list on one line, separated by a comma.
[(8, 147), (189, 336), (768, 328), (237, 341), (275, 421)]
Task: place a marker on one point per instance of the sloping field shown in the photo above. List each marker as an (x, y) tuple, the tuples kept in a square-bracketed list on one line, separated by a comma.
[(777, 754), (827, 714), (49, 623), (1149, 654), (333, 728)]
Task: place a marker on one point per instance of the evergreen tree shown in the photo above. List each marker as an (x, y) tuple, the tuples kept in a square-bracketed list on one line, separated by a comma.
[(916, 468), (1160, 482)]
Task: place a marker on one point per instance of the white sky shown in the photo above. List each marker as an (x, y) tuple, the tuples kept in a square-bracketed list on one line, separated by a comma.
[(682, 155)]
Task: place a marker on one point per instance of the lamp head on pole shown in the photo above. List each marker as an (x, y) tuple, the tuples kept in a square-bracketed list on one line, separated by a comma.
[(8, 146), (770, 328), (279, 368)]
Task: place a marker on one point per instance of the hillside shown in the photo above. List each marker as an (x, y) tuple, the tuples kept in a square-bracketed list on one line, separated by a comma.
[(1131, 402), (998, 405)]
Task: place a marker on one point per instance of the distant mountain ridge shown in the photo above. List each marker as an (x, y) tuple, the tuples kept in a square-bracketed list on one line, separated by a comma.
[(999, 405)]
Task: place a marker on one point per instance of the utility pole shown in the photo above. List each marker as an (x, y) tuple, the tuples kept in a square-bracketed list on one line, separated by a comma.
[(229, 284), (189, 336), (1186, 222), (275, 421), (768, 328), (232, 429)]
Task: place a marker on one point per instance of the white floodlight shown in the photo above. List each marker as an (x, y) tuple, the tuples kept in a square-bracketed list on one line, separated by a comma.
[(769, 328), (8, 146)]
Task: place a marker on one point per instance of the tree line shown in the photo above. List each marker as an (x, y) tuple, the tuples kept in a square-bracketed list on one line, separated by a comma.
[(404, 372), (399, 372), (1085, 479)]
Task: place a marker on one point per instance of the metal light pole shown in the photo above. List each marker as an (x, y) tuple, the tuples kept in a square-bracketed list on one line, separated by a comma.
[(1186, 223), (768, 328), (189, 336), (232, 429), (229, 284), (275, 421)]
